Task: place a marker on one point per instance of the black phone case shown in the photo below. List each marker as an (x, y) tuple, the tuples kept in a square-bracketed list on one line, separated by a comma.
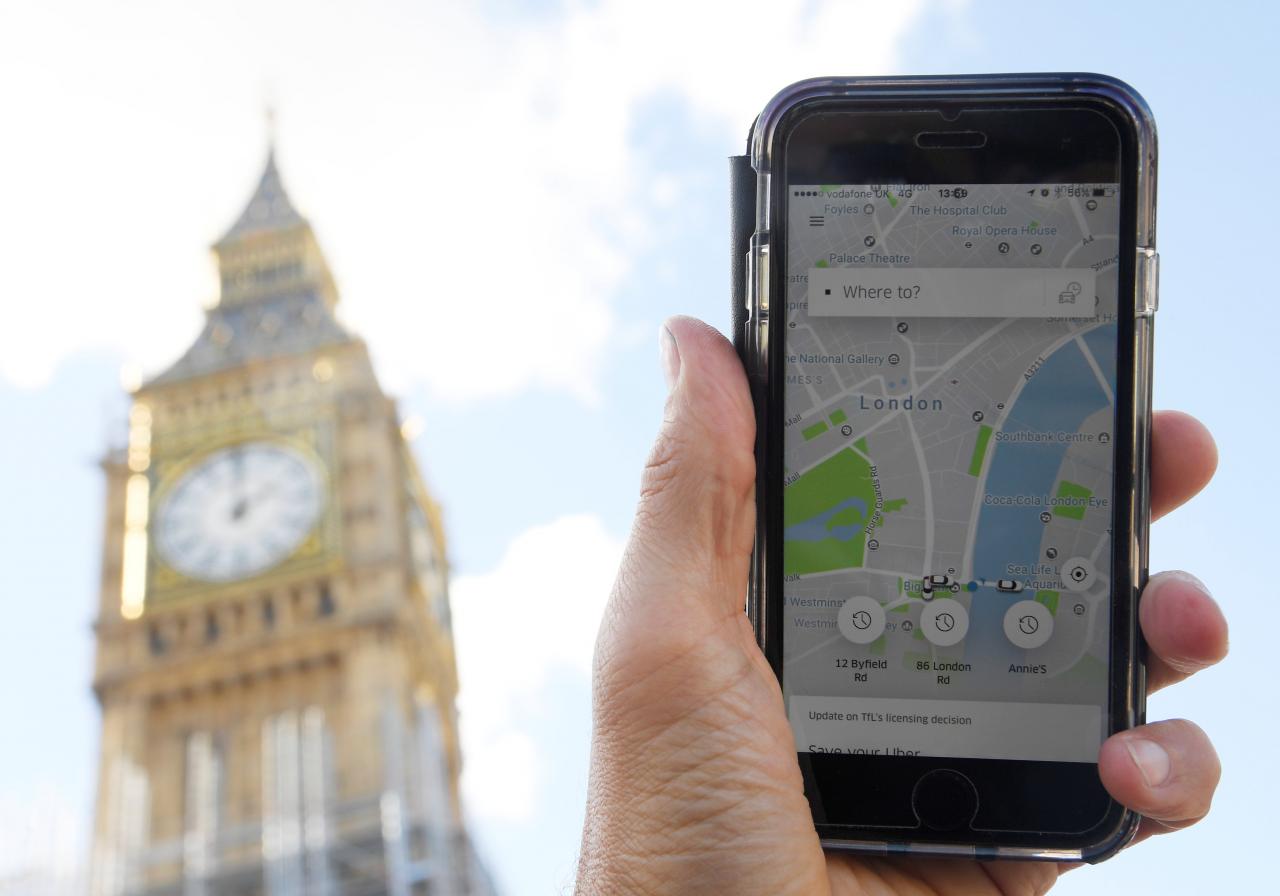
[(749, 177), (742, 211)]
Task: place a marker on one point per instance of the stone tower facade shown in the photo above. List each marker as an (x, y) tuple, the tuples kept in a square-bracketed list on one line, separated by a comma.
[(275, 661)]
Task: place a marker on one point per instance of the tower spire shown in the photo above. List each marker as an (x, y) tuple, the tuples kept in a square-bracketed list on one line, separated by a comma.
[(268, 209), (276, 293), (269, 113), (271, 250)]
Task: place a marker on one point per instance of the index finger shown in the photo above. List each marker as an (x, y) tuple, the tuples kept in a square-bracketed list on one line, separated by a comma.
[(1183, 459)]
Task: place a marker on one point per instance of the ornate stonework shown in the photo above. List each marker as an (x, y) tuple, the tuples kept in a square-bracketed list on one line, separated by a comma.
[(275, 660)]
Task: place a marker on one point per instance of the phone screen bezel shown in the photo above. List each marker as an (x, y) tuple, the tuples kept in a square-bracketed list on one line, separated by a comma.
[(1029, 140)]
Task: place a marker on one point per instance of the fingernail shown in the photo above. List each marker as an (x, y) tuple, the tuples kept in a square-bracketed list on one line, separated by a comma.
[(668, 356), (1150, 758)]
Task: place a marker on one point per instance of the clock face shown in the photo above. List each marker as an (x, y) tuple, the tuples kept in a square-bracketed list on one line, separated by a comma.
[(239, 512)]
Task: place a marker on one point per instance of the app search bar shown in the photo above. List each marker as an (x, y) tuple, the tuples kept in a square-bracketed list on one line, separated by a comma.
[(952, 292)]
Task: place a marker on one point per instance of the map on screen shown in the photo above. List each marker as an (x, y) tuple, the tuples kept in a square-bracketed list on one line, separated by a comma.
[(950, 401)]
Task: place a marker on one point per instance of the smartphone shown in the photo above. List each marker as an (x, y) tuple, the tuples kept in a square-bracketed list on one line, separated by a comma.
[(944, 299)]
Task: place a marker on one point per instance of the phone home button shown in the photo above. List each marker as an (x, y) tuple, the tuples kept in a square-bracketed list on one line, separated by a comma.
[(944, 800)]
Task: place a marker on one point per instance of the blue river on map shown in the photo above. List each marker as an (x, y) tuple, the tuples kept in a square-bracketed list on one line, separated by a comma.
[(1061, 395), (815, 528)]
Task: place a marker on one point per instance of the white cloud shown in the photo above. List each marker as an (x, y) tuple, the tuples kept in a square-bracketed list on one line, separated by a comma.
[(536, 612), (476, 182)]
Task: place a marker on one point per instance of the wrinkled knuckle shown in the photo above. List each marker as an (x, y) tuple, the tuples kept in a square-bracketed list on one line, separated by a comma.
[(740, 469), (662, 467), (1185, 666)]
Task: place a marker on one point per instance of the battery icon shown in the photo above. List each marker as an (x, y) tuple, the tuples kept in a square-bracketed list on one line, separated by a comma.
[(1099, 191)]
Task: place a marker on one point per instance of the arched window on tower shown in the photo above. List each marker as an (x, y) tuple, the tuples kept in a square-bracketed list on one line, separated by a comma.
[(296, 789), (203, 808)]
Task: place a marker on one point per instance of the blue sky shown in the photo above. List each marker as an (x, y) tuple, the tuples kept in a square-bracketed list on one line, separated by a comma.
[(575, 152)]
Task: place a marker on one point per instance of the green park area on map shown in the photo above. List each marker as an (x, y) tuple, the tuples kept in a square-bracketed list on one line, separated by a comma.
[(1072, 491), (1049, 599), (841, 481), (979, 450)]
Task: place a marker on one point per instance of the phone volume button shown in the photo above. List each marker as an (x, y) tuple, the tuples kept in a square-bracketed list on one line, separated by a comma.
[(758, 273), (1148, 281)]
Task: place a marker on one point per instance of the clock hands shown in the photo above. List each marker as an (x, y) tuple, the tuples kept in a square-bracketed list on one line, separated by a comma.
[(241, 505), (240, 508)]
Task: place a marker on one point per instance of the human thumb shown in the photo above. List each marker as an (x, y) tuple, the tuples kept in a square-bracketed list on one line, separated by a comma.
[(686, 563), (690, 744)]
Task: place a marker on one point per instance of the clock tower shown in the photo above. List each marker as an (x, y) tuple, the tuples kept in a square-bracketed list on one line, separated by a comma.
[(275, 662)]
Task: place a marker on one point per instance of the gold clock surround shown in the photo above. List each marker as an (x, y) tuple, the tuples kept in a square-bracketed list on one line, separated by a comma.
[(317, 552), (342, 652)]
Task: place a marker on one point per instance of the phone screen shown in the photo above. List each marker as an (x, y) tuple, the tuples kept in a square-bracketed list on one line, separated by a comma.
[(950, 357)]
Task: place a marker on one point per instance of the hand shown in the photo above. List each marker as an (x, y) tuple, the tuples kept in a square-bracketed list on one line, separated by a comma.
[(694, 782)]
